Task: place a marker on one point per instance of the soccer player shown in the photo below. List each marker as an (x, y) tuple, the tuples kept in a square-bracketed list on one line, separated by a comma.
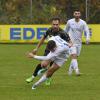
[(54, 30), (59, 52), (75, 27)]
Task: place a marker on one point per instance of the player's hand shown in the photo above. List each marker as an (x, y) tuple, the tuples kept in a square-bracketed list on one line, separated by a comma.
[(30, 55), (35, 51)]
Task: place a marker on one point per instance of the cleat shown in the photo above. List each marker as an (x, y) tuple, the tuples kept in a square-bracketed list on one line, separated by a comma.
[(48, 82), (79, 74), (30, 79), (33, 87)]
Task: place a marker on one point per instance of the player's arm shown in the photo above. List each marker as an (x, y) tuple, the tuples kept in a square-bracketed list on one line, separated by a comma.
[(86, 30), (66, 37), (38, 46), (48, 57), (41, 41), (67, 27)]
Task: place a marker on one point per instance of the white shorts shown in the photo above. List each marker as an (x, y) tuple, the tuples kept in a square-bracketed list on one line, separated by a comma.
[(61, 59), (61, 54), (59, 62), (75, 49)]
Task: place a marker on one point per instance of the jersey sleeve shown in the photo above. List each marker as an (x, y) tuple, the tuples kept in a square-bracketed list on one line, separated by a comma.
[(86, 30), (48, 57), (65, 36), (67, 27), (47, 33)]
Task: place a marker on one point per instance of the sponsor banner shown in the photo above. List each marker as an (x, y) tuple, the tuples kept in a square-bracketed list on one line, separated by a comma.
[(21, 33), (33, 33)]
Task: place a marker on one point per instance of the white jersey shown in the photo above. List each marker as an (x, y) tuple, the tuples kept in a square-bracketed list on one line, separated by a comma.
[(58, 40), (75, 30), (61, 52)]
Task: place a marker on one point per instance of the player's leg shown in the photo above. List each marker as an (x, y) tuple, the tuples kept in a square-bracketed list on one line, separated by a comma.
[(48, 81), (72, 51), (47, 75), (78, 48), (74, 62), (30, 79), (43, 64), (39, 69), (70, 70), (58, 62)]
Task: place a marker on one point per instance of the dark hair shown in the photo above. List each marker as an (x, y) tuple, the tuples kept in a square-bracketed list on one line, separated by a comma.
[(51, 45), (56, 18), (77, 10)]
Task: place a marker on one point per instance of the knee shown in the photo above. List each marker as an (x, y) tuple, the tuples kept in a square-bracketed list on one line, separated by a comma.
[(44, 64), (74, 56), (49, 73)]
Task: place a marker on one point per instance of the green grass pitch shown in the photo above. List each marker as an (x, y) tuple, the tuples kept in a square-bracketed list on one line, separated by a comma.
[(15, 67)]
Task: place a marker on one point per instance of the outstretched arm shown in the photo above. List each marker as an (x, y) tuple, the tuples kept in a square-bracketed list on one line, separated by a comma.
[(48, 57), (38, 46), (41, 41), (86, 30)]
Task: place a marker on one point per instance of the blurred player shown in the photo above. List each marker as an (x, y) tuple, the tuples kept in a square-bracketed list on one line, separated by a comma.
[(54, 30), (75, 27), (59, 52)]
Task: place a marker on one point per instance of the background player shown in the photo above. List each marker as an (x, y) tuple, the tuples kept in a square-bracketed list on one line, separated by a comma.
[(75, 28)]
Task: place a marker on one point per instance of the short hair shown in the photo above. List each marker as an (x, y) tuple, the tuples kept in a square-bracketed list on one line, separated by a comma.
[(51, 45), (56, 18), (77, 10)]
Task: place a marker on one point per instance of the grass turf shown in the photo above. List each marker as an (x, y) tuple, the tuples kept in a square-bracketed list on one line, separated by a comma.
[(15, 67)]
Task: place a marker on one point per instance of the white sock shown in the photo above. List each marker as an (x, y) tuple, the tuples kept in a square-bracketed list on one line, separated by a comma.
[(33, 76), (42, 79), (70, 69), (75, 65)]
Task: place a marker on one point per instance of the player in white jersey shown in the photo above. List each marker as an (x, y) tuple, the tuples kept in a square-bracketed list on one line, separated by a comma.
[(75, 27), (59, 52)]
